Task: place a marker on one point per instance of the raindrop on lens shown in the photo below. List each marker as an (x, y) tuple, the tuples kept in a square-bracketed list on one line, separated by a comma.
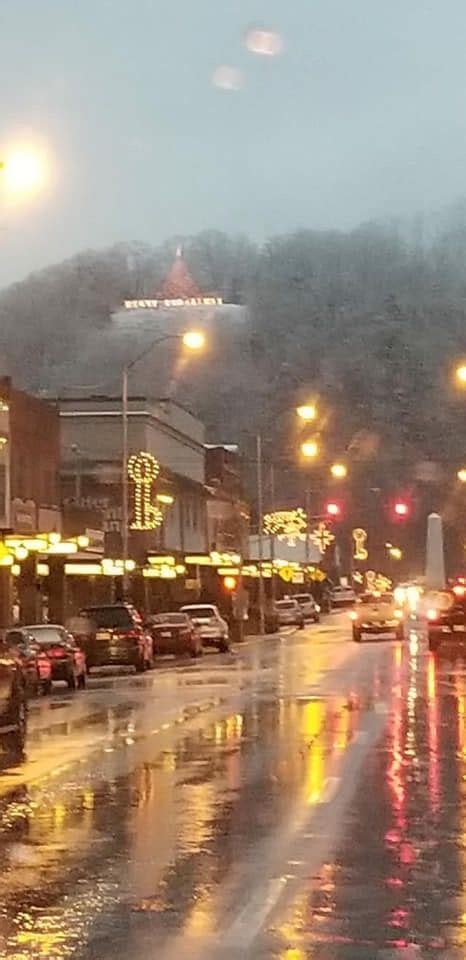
[(227, 78), (265, 43)]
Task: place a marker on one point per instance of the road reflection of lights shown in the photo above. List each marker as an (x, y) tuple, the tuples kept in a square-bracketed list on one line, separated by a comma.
[(432, 711), (413, 643)]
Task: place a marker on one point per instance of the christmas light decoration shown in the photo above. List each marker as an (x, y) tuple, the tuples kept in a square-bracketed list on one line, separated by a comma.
[(143, 470), (287, 525), (321, 537), (360, 539)]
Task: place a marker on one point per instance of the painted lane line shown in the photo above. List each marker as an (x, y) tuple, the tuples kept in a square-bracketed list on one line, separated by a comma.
[(251, 920), (330, 790)]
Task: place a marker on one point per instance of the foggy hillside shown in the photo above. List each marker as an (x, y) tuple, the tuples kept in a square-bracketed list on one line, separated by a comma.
[(370, 320)]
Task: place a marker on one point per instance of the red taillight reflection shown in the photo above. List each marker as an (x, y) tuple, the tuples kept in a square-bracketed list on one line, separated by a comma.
[(57, 652)]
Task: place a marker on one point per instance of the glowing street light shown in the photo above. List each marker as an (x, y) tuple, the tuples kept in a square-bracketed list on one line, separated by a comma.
[(194, 340), (395, 553), (307, 412), (23, 173), (339, 471), (462, 475), (461, 374), (310, 449)]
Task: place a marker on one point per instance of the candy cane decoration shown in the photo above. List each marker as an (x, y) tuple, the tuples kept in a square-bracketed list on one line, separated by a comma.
[(360, 540), (143, 470)]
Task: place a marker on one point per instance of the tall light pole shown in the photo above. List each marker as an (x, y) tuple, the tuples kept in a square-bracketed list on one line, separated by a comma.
[(260, 540), (192, 340)]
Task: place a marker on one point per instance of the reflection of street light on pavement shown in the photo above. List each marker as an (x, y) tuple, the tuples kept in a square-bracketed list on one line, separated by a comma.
[(310, 449), (307, 412), (339, 471), (462, 475)]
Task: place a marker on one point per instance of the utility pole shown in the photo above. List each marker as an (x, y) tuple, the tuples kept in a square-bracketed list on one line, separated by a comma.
[(260, 540)]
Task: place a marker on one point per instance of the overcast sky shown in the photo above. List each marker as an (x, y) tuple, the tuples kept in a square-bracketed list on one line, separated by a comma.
[(362, 115)]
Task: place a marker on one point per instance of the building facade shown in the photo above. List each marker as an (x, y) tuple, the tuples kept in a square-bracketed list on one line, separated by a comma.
[(29, 462), (91, 444)]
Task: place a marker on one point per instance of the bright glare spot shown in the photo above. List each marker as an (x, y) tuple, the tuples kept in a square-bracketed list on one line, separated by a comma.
[(307, 412), (266, 43), (395, 553), (310, 449), (24, 172), (339, 471), (227, 78), (461, 373), (462, 475), (194, 340)]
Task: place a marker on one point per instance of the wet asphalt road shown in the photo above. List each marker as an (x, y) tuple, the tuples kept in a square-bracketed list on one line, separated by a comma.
[(301, 798)]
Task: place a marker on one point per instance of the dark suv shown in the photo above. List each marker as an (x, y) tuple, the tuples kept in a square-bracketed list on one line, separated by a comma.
[(446, 618), (13, 705), (114, 634)]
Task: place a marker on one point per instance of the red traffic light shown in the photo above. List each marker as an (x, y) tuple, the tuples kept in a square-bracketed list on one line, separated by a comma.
[(401, 509), (230, 584), (333, 509)]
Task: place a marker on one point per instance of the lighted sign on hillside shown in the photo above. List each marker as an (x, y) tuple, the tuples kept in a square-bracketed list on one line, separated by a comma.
[(177, 302)]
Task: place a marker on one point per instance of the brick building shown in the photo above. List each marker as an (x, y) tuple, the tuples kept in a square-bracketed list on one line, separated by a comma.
[(29, 462)]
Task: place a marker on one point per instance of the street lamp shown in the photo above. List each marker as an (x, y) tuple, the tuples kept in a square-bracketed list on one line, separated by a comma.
[(462, 475), (461, 374), (310, 449), (395, 553), (339, 471), (24, 172), (193, 340), (307, 412)]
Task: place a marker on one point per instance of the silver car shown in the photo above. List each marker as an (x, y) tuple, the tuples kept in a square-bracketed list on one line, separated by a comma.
[(289, 613), (310, 608), (213, 629)]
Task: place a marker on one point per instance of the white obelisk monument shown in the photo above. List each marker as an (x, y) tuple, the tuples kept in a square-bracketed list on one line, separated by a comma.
[(435, 561)]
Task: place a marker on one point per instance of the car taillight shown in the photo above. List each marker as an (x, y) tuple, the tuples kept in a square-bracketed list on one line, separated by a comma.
[(432, 614), (57, 652)]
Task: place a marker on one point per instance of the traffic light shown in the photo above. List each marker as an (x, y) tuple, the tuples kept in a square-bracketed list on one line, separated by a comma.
[(230, 584), (401, 509), (333, 510)]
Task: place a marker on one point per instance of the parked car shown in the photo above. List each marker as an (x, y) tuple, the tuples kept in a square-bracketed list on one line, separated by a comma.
[(115, 634), (377, 616), (68, 660), (175, 633), (343, 597), (289, 613), (213, 629), (36, 665), (445, 613), (13, 702), (310, 608)]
